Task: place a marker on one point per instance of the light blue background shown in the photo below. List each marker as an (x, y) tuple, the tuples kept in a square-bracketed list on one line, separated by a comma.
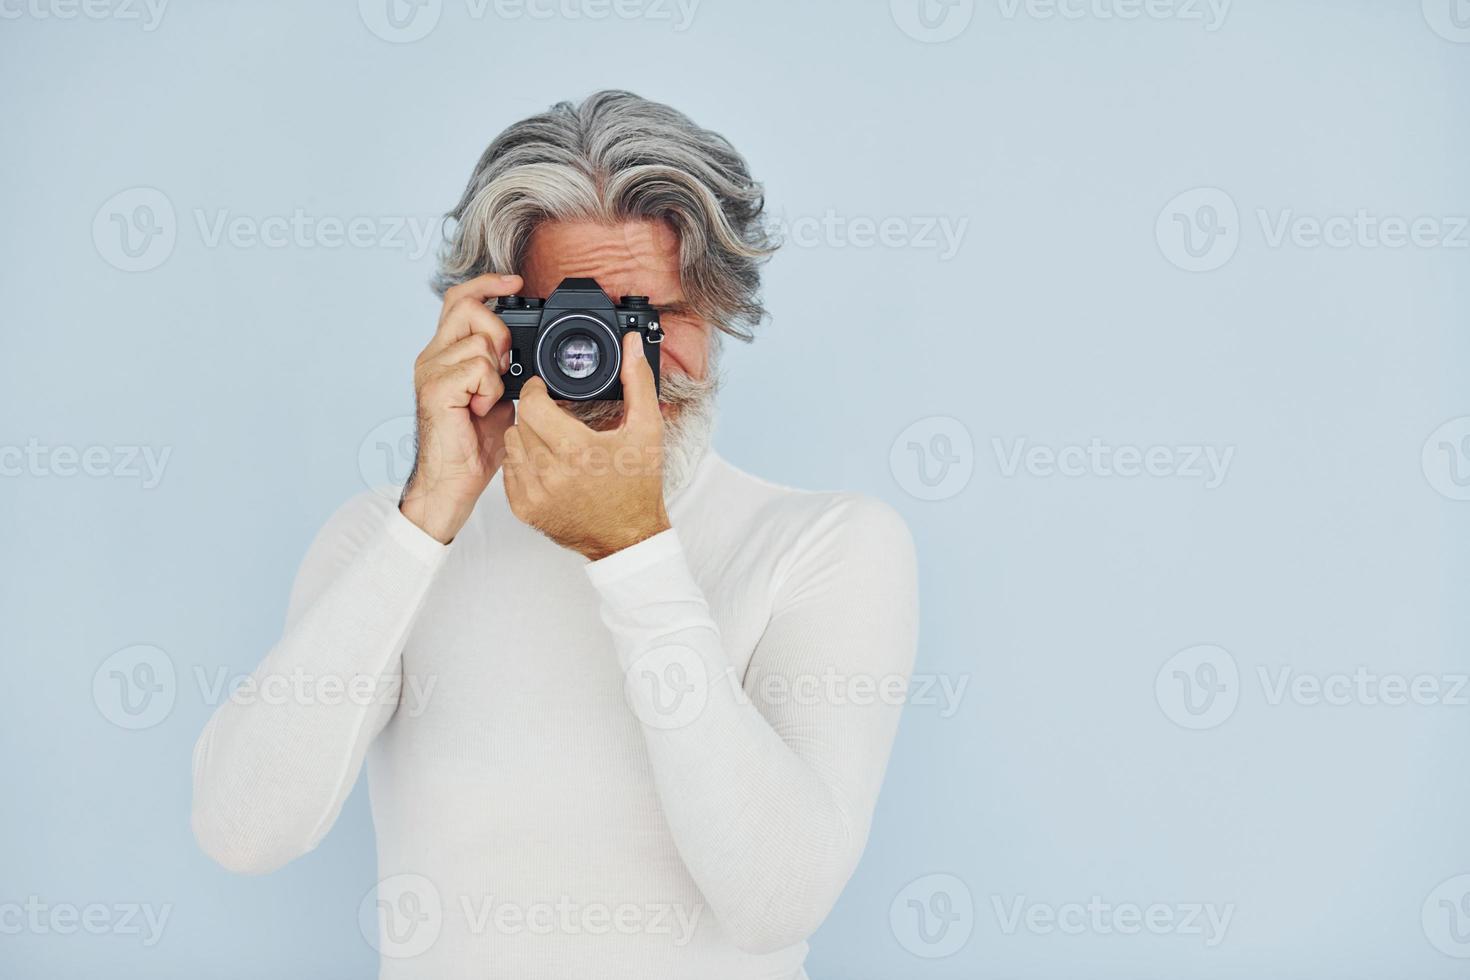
[(1060, 319)]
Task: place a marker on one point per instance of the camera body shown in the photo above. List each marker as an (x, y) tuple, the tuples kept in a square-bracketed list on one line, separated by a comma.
[(573, 340)]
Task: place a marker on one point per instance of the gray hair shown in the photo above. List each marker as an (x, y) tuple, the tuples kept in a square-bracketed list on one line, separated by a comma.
[(618, 157)]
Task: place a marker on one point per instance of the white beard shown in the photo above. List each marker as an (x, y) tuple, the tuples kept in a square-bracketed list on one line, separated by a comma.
[(687, 439), (688, 430)]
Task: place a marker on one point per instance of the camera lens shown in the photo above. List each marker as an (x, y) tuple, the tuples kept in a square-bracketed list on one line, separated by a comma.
[(577, 356)]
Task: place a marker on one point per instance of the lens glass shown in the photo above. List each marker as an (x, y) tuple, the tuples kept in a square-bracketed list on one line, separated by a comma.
[(577, 356)]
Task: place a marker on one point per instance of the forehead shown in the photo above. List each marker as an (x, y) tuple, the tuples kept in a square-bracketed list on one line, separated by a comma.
[(626, 258)]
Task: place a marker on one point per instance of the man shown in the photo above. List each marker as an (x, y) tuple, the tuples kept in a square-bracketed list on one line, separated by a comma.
[(627, 712)]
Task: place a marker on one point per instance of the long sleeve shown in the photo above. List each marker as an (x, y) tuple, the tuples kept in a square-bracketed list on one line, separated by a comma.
[(278, 759), (768, 785)]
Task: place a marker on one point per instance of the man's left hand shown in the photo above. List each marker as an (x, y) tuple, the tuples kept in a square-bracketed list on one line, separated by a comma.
[(592, 492)]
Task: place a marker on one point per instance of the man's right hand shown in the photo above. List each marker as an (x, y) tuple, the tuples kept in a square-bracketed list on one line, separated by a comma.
[(461, 420)]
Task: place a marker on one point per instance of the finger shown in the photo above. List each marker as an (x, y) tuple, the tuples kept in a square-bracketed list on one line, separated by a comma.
[(510, 469), (640, 394), (549, 420), (465, 318), (475, 345), (457, 385), (538, 455), (521, 480), (492, 427), (511, 483), (490, 286)]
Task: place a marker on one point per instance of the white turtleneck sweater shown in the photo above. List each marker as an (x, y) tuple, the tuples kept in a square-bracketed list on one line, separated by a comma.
[(658, 765)]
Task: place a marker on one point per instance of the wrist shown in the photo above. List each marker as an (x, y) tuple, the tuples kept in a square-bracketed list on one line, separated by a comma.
[(626, 537), (431, 515)]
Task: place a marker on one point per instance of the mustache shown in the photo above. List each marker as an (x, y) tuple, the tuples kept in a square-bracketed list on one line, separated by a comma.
[(676, 390)]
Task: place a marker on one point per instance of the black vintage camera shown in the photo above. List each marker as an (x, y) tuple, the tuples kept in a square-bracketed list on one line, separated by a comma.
[(573, 340)]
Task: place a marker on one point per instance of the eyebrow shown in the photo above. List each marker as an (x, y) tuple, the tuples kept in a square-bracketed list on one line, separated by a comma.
[(673, 309)]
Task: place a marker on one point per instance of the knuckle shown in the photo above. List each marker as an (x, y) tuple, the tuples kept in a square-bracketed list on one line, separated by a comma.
[(454, 299), (464, 306)]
